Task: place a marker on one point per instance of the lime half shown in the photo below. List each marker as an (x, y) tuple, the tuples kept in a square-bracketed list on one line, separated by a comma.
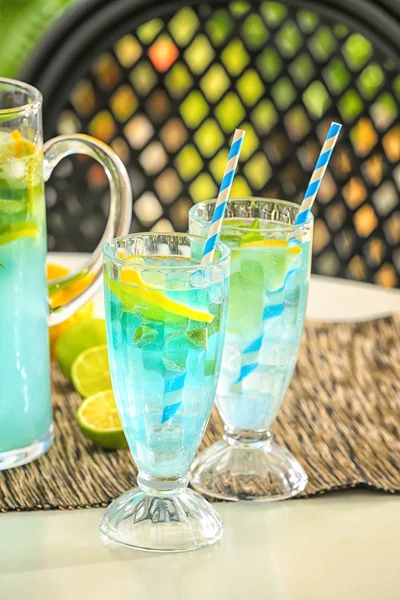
[(90, 372), (76, 339), (98, 418)]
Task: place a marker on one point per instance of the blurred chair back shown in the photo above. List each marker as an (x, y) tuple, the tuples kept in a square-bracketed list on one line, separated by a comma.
[(165, 84)]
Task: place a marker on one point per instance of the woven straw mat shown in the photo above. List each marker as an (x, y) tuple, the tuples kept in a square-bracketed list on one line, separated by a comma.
[(340, 419)]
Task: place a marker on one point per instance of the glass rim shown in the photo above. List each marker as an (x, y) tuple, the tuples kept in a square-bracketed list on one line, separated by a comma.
[(225, 255), (34, 94), (281, 226)]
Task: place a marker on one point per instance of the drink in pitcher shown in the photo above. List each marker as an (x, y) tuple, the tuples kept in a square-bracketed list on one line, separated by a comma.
[(24, 349), (26, 430)]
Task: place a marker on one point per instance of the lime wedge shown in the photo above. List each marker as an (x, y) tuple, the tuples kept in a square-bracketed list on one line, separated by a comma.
[(246, 289), (233, 223), (135, 295), (11, 207), (98, 418), (76, 339), (90, 372), (16, 231), (131, 302), (274, 256)]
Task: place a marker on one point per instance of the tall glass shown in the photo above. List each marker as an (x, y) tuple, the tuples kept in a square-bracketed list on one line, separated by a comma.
[(26, 430), (270, 270), (166, 318)]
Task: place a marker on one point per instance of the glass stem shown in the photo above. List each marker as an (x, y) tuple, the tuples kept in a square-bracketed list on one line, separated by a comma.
[(161, 486), (246, 437)]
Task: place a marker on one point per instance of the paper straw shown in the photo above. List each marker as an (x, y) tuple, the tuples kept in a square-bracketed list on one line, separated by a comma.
[(223, 196), (253, 349), (318, 173), (176, 383)]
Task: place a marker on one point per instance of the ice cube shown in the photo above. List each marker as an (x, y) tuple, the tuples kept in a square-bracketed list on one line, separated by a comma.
[(175, 351), (200, 279), (216, 293), (231, 363)]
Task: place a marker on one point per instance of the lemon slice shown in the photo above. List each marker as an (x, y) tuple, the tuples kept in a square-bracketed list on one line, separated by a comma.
[(134, 292), (98, 419), (273, 244), (90, 372)]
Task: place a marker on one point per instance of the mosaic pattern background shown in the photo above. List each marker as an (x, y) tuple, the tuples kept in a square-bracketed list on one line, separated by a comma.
[(168, 95)]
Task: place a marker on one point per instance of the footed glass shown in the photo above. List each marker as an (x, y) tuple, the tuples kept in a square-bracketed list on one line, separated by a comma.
[(166, 319), (270, 270), (26, 429)]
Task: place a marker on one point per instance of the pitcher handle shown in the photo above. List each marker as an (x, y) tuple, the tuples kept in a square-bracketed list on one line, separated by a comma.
[(118, 222)]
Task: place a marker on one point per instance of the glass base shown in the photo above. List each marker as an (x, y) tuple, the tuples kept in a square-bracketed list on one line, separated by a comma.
[(161, 520), (23, 456), (247, 466)]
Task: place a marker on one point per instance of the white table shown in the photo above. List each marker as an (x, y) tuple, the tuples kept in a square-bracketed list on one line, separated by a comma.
[(342, 546)]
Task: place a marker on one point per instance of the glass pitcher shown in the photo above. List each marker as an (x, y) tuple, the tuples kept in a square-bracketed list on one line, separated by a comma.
[(26, 429)]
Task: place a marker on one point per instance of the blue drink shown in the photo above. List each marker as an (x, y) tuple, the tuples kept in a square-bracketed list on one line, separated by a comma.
[(26, 430), (165, 327), (164, 366), (270, 277), (270, 270), (25, 411)]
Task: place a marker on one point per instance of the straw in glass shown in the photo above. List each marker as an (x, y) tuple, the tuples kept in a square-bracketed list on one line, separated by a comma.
[(254, 347), (318, 173), (174, 383), (223, 196)]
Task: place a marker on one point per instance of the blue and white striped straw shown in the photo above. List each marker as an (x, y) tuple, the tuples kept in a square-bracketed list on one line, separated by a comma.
[(253, 349), (318, 173), (223, 196), (174, 383)]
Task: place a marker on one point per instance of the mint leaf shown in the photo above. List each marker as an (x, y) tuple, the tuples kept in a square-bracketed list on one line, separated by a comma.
[(144, 335), (255, 224), (233, 223), (230, 238), (252, 236), (198, 338)]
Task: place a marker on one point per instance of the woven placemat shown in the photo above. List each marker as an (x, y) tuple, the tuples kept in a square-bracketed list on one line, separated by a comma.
[(340, 419)]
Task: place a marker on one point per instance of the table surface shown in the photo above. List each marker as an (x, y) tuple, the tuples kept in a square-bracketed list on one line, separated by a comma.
[(342, 546)]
